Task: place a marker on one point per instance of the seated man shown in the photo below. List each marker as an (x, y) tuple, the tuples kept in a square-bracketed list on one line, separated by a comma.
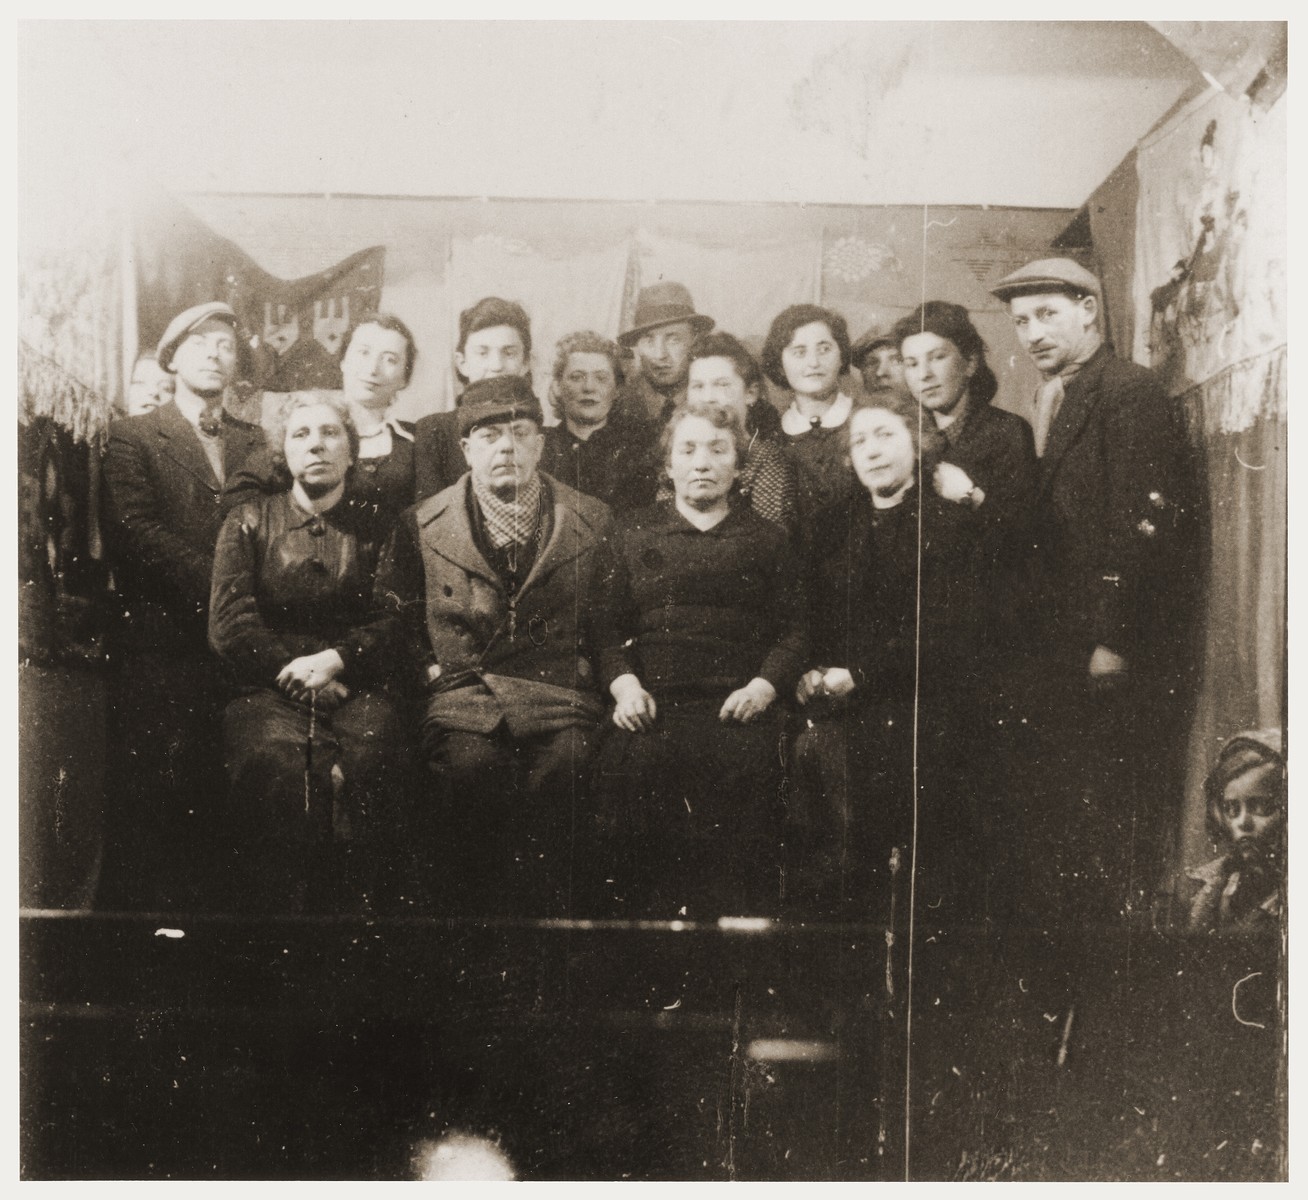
[(490, 587)]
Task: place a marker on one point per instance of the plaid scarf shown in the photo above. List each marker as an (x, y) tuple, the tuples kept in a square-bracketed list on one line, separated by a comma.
[(510, 521)]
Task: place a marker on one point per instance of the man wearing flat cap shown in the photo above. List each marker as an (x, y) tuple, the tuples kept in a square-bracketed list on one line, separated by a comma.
[(163, 477), (875, 356), (491, 583), (1113, 601), (665, 326)]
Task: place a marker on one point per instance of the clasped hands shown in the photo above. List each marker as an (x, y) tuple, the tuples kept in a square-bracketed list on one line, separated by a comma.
[(824, 681), (314, 676), (635, 709)]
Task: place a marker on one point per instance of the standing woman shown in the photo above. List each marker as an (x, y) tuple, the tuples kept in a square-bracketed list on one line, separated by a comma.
[(723, 372), (893, 615), (312, 747), (806, 352), (701, 629), (377, 360), (945, 368), (994, 452)]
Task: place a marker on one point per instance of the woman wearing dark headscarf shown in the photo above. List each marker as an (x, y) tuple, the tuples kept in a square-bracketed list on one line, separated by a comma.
[(893, 615)]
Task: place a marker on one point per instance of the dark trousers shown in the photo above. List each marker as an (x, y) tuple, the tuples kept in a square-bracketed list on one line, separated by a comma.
[(163, 782), (690, 815), (502, 830), (312, 798), (855, 827)]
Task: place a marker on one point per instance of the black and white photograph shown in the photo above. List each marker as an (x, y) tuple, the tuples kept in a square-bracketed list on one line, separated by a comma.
[(686, 600)]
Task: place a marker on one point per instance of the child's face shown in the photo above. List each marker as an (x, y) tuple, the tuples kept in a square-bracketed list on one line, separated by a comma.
[(1252, 812)]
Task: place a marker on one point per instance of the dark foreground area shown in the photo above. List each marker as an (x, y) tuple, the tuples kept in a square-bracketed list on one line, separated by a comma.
[(327, 1048)]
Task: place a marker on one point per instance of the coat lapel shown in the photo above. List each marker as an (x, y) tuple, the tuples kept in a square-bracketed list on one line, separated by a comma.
[(570, 538), (1078, 403), (443, 521), (239, 442), (182, 444)]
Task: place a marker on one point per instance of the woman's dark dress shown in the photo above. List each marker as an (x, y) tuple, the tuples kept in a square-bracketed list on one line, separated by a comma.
[(691, 809), (302, 776), (910, 641)]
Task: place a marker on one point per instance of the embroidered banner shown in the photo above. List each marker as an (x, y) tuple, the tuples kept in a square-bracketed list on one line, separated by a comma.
[(291, 329)]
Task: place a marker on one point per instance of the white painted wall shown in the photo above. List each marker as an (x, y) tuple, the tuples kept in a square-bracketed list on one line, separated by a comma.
[(836, 112)]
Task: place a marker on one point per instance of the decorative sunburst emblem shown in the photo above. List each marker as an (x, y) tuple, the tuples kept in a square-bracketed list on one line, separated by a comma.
[(853, 259)]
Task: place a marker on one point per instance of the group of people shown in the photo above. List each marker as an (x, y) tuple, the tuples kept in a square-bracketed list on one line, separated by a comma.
[(685, 652)]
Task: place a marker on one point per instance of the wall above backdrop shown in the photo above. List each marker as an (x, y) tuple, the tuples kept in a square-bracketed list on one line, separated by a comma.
[(867, 112)]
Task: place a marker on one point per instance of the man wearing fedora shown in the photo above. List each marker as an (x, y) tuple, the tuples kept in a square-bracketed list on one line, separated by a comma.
[(1113, 596), (490, 584), (163, 478), (665, 326)]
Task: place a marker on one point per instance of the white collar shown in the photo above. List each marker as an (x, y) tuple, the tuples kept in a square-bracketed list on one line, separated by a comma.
[(795, 422), (379, 445)]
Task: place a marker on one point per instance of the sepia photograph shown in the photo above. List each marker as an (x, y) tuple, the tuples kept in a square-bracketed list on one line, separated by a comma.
[(658, 600)]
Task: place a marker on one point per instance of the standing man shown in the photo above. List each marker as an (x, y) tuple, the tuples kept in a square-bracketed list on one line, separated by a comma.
[(597, 448), (491, 583), (1115, 546), (666, 325), (494, 340), (164, 473), (875, 357)]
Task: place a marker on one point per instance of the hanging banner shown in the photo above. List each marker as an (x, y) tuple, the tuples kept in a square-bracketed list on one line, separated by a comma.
[(291, 330), (1210, 243)]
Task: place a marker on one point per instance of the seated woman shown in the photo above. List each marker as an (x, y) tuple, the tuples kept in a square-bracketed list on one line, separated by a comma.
[(893, 613), (723, 372), (701, 629), (313, 750), (806, 352), (377, 360)]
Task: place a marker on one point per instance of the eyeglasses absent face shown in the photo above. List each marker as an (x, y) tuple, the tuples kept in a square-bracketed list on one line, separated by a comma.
[(883, 368), (587, 388), (881, 450), (498, 350), (205, 359), (317, 448), (1253, 812), (936, 372), (1052, 327), (701, 462), (374, 366), (664, 353), (717, 380), (811, 361)]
